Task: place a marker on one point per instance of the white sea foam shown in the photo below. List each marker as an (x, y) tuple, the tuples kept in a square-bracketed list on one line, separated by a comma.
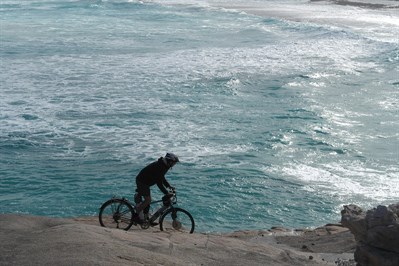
[(345, 180)]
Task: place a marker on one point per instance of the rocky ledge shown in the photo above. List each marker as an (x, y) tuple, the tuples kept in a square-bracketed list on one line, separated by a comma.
[(33, 240)]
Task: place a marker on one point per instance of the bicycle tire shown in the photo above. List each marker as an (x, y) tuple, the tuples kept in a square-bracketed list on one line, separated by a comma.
[(116, 213), (177, 219)]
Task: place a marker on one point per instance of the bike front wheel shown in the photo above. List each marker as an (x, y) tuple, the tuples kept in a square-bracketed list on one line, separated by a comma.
[(116, 213), (177, 219)]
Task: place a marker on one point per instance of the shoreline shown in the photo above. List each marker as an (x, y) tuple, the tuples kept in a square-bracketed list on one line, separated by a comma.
[(79, 241), (382, 4)]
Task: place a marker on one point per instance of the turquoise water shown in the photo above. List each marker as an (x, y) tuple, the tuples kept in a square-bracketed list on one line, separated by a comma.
[(277, 121)]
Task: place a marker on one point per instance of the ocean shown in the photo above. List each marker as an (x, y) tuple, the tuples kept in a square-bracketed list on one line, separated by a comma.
[(281, 112)]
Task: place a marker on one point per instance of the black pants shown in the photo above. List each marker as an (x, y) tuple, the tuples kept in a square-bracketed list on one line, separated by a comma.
[(138, 198)]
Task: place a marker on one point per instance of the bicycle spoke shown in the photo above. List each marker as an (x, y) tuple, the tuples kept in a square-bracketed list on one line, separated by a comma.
[(116, 213), (177, 220)]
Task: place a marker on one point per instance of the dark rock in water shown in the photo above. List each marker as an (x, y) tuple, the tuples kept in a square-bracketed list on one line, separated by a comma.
[(376, 232)]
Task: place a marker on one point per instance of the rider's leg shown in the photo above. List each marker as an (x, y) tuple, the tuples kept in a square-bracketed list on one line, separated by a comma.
[(137, 198), (146, 210), (143, 190), (144, 204)]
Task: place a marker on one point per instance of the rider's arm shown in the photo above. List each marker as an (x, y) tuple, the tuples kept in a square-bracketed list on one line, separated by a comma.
[(162, 188), (166, 183)]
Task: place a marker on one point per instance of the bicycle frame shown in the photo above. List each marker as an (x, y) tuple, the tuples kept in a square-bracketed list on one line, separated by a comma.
[(120, 212), (164, 208)]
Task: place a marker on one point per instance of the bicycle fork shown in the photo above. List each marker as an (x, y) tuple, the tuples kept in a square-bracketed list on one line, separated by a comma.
[(174, 215), (176, 224)]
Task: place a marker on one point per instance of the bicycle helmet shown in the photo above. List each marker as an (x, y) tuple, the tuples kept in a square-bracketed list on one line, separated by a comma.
[(171, 159)]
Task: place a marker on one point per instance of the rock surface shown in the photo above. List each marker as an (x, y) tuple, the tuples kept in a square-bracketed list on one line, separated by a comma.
[(376, 232), (32, 240)]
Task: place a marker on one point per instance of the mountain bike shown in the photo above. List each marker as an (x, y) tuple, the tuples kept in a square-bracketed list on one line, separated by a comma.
[(118, 213)]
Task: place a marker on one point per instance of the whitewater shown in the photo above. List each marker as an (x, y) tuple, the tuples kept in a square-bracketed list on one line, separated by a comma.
[(281, 112)]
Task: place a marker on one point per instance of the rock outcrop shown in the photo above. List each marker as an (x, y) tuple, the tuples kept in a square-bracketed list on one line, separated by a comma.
[(376, 232), (34, 240)]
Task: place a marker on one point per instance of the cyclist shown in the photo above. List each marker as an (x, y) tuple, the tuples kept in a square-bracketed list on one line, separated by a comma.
[(152, 174)]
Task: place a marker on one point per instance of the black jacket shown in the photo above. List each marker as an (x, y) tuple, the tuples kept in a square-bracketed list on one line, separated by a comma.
[(154, 173)]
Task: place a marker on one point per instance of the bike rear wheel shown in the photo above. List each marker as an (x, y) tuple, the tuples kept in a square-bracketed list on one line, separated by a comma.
[(116, 213), (177, 219)]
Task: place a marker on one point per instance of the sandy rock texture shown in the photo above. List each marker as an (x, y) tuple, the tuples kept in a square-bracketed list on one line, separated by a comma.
[(33, 240)]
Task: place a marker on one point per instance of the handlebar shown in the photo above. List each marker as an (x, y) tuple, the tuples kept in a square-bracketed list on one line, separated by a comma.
[(171, 197)]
